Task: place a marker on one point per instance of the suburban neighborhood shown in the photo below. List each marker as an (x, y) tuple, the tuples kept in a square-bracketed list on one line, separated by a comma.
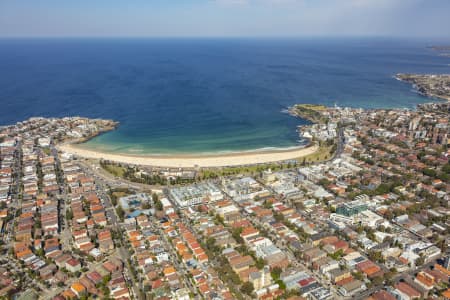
[(367, 220)]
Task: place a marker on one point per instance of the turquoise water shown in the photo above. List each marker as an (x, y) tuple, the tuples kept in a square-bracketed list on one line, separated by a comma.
[(204, 95)]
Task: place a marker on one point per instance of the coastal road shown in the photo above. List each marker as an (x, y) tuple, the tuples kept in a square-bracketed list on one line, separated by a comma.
[(92, 167)]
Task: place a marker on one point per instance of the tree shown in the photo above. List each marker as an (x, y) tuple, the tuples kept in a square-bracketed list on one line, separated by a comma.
[(113, 199), (69, 214), (388, 276), (276, 272), (446, 168), (83, 297), (211, 244), (236, 233), (420, 261), (40, 252), (155, 197), (429, 172), (324, 182), (378, 280), (358, 275), (281, 284), (278, 217), (337, 255), (260, 263), (120, 212), (157, 202), (376, 256), (247, 288), (106, 279)]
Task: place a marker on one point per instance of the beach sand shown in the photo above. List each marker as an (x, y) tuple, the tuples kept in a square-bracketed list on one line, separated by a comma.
[(190, 161)]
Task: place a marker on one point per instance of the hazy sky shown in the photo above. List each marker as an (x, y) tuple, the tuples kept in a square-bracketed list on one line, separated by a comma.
[(162, 18)]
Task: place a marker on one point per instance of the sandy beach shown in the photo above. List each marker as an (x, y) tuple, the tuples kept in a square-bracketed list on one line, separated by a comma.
[(188, 161)]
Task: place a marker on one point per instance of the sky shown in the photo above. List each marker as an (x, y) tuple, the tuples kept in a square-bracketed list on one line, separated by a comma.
[(224, 18)]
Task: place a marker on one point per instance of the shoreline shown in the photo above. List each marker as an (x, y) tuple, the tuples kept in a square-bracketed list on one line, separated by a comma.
[(189, 154), (195, 160), (427, 85)]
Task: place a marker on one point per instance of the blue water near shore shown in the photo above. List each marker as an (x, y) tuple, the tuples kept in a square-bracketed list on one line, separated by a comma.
[(204, 95)]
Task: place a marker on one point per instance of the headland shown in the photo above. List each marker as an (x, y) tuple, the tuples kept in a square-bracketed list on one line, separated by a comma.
[(429, 85)]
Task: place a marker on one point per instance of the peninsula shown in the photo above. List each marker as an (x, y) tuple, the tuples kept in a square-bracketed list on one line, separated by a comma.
[(429, 85), (310, 112)]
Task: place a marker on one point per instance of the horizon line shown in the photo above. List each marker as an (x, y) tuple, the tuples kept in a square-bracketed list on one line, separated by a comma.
[(220, 37)]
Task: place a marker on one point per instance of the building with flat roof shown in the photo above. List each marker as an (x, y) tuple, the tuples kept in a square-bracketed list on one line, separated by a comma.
[(352, 208), (195, 194)]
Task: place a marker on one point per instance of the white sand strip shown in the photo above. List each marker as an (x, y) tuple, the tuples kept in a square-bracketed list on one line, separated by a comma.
[(188, 161)]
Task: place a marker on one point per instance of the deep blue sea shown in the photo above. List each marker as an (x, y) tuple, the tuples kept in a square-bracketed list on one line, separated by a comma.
[(204, 95)]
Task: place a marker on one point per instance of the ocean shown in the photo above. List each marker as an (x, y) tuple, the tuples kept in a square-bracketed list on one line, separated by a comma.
[(204, 95)]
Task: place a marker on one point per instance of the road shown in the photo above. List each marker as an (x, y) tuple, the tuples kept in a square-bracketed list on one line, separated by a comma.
[(341, 142), (180, 267), (16, 201), (102, 188), (212, 260), (94, 169)]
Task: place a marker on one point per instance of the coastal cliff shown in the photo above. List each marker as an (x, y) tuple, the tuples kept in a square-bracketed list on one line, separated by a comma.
[(310, 112), (437, 86)]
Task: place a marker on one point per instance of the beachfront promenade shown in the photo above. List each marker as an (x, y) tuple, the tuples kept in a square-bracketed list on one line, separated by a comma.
[(191, 161)]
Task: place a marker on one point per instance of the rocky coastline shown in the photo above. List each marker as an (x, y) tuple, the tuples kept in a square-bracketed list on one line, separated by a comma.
[(429, 85)]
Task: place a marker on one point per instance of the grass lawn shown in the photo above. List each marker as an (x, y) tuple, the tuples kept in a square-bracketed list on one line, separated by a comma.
[(323, 153), (115, 170)]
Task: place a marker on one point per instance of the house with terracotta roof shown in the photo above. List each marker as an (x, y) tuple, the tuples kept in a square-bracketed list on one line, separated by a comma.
[(169, 271), (78, 289), (69, 294), (425, 280), (406, 291), (337, 275), (23, 254), (95, 277), (100, 219), (61, 260), (105, 241), (90, 224), (370, 269), (51, 245), (314, 254), (77, 234), (203, 258), (120, 292), (110, 267), (88, 284), (73, 265), (249, 233), (204, 289), (240, 263), (352, 288)]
